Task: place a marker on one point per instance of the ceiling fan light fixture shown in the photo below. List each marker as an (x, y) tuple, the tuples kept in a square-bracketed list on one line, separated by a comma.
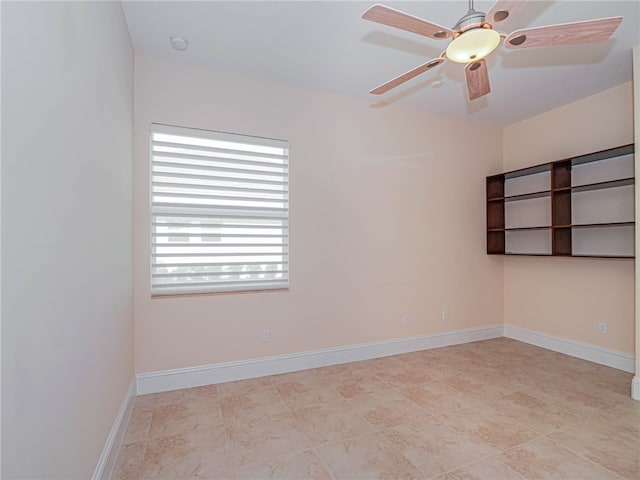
[(473, 45)]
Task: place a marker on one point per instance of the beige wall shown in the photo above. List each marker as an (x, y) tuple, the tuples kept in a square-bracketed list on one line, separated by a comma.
[(67, 303), (387, 218), (568, 297)]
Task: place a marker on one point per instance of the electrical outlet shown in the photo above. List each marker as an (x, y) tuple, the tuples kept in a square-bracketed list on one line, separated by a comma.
[(445, 315), (405, 319), (602, 327), (266, 335)]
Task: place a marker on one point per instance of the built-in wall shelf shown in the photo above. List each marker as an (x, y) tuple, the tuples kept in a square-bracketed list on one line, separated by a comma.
[(576, 207)]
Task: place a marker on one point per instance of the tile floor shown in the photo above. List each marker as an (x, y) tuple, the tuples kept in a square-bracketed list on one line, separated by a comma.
[(497, 409)]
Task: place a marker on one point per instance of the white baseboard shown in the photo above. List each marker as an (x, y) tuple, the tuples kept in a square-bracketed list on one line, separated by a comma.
[(635, 388), (166, 380), (586, 351), (107, 459)]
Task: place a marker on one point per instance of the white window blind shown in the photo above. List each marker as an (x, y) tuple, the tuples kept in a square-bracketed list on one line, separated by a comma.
[(219, 212)]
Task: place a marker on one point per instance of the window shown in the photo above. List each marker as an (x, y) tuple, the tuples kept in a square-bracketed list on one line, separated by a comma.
[(219, 212)]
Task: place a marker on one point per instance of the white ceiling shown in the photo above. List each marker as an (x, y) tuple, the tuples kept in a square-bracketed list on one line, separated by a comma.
[(327, 46)]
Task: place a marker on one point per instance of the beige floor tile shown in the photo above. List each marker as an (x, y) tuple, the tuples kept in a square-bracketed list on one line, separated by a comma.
[(185, 417), (311, 375), (435, 448), (376, 365), (304, 393), (576, 400), (206, 392), (488, 426), (295, 466), (245, 406), (543, 459), (403, 375), (483, 387), (387, 408), (491, 469), (153, 400), (608, 390), (438, 365), (243, 386), (332, 422), (534, 414), (296, 425), (437, 397), (138, 427), (200, 454), (625, 418), (367, 457), (356, 385), (266, 438), (609, 445), (130, 462), (333, 375)]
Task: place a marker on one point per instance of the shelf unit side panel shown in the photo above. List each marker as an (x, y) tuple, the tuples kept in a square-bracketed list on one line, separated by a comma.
[(562, 241), (495, 242), (495, 186), (561, 208), (561, 174), (495, 215)]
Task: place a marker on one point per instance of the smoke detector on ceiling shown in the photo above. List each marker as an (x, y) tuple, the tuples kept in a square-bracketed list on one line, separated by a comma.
[(178, 43)]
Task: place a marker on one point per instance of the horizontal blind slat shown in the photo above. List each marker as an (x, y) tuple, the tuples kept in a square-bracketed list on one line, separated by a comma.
[(224, 188), (218, 245), (184, 166), (217, 274), (275, 156), (193, 155), (208, 255), (239, 226), (193, 176), (209, 282), (221, 210), (217, 197), (214, 264), (220, 235)]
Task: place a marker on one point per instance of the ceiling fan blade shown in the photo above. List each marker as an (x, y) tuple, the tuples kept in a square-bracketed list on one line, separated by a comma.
[(407, 76), (403, 21), (564, 34), (503, 10), (477, 79)]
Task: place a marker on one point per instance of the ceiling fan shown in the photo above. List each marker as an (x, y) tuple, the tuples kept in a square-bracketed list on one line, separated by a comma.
[(474, 38)]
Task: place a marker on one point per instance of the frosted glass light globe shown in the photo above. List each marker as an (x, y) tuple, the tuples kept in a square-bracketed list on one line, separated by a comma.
[(473, 45)]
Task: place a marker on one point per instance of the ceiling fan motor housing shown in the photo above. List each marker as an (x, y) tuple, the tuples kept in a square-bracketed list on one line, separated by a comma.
[(473, 19)]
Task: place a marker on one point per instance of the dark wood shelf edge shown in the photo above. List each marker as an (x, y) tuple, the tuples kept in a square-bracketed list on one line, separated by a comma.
[(596, 225), (620, 182), (609, 257), (515, 229), (602, 154), (612, 257), (527, 196)]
